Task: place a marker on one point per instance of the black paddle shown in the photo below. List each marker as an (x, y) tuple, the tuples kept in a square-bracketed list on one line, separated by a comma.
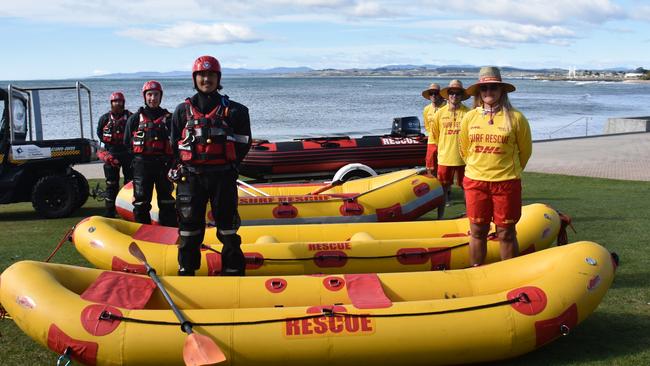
[(198, 349)]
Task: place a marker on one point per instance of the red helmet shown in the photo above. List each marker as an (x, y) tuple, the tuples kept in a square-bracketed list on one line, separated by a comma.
[(117, 96), (152, 85), (208, 63)]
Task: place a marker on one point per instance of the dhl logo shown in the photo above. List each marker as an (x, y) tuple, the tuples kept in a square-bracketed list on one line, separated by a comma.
[(488, 149), (329, 325)]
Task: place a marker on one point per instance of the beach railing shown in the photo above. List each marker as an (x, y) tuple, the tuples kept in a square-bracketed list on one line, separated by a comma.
[(586, 118)]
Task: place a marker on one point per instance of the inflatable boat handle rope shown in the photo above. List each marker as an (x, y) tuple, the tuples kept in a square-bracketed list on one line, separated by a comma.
[(66, 237), (521, 298), (256, 260), (64, 358)]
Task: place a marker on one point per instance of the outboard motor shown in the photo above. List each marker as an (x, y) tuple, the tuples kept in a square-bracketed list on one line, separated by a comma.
[(406, 126)]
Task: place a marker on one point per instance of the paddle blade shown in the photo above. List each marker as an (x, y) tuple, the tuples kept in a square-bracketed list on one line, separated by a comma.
[(201, 350), (135, 251)]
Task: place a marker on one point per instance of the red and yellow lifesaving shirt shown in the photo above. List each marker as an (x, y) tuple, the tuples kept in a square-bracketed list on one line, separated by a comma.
[(491, 152), (428, 113), (444, 133)]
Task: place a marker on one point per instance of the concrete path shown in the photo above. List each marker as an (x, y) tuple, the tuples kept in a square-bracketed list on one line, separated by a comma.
[(625, 157)]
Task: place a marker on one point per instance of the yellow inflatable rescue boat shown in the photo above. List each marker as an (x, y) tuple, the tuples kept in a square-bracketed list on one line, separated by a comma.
[(398, 196), (481, 314), (307, 249)]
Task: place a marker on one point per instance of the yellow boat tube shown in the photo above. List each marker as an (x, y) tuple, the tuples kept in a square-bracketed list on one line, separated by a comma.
[(398, 196), (308, 249), (481, 314)]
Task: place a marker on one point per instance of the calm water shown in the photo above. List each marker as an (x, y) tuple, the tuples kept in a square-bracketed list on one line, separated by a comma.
[(286, 108)]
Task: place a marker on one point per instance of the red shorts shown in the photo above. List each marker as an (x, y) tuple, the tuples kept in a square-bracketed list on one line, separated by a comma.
[(446, 175), (493, 201)]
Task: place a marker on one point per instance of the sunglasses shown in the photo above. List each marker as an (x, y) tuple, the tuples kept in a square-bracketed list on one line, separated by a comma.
[(456, 93), (489, 87), (433, 92)]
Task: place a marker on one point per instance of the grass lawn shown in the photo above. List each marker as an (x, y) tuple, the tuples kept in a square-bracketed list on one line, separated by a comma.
[(610, 212)]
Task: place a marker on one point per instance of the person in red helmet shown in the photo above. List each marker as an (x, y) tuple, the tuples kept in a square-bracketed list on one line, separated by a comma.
[(211, 135), (148, 135), (110, 131)]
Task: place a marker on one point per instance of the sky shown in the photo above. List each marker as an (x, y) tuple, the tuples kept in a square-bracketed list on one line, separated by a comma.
[(56, 39)]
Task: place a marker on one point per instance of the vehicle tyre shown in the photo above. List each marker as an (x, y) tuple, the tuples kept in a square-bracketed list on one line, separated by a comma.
[(83, 188), (55, 196)]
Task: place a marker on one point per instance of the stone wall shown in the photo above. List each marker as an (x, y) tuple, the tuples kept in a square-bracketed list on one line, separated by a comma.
[(627, 124)]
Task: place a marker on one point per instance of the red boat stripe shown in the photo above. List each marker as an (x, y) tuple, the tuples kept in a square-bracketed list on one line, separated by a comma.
[(548, 330), (121, 290), (82, 351), (214, 263), (366, 292), (157, 234)]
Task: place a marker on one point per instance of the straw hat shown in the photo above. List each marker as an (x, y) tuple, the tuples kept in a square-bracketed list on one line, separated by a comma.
[(454, 84), (427, 93), (490, 75)]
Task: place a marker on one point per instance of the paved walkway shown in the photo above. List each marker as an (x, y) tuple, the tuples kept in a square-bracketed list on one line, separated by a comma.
[(624, 157)]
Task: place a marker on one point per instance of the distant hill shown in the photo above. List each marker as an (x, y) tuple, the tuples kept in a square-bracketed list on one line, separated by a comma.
[(186, 74), (389, 70)]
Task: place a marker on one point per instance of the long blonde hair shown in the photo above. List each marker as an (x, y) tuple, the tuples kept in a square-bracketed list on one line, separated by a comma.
[(504, 102)]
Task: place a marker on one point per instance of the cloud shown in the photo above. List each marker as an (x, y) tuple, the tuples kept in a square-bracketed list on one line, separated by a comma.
[(188, 34), (543, 11), (641, 13), (508, 35)]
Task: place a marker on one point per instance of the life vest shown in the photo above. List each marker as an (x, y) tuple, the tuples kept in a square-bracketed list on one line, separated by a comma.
[(207, 139), (152, 136), (113, 131)]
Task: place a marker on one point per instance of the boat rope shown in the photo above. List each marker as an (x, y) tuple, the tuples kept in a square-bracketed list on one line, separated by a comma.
[(3, 313), (64, 358), (257, 260), (108, 316), (66, 237)]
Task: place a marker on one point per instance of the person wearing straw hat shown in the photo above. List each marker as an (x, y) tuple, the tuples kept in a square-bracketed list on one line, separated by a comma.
[(495, 142), (432, 94), (443, 140)]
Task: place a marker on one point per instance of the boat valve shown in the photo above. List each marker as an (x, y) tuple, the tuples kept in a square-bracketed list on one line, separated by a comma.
[(523, 297), (564, 329)]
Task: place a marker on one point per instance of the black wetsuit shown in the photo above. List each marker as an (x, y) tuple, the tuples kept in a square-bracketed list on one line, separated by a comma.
[(150, 170), (214, 183), (122, 154)]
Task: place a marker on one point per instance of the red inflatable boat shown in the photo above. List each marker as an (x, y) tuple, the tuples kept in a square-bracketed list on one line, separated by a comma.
[(405, 147)]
